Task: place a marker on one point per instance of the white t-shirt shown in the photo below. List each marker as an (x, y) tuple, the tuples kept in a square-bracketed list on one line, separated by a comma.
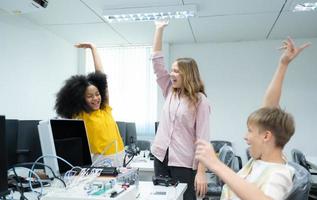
[(275, 180)]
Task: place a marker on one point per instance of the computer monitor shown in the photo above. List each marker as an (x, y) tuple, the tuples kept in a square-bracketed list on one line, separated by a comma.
[(3, 159), (11, 129), (65, 138), (28, 143)]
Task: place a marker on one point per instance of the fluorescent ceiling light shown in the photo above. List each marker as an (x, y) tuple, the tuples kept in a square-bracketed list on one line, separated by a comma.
[(305, 7), (149, 13)]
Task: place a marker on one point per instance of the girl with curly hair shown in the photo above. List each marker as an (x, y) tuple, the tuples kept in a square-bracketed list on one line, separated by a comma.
[(86, 98), (184, 119)]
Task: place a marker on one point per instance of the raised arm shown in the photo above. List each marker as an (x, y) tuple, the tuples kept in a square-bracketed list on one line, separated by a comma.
[(158, 35), (95, 55), (273, 93)]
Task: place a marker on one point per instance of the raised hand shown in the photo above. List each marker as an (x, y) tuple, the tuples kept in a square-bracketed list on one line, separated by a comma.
[(290, 51), (84, 45), (158, 35), (159, 24), (95, 55)]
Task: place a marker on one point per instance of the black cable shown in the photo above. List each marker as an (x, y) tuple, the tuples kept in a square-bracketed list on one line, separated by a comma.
[(124, 159), (18, 180), (41, 164)]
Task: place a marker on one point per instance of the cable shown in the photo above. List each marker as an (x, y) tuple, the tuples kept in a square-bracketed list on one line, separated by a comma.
[(54, 156), (51, 156), (30, 184), (22, 197), (124, 160), (41, 164), (104, 151)]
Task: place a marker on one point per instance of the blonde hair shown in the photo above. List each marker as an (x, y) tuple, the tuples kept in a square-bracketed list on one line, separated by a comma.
[(280, 123), (192, 83)]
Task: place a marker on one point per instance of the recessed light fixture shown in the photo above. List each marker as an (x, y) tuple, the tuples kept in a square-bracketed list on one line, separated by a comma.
[(149, 13), (305, 7)]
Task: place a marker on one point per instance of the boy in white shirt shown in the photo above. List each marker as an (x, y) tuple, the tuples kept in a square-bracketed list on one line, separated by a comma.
[(266, 175)]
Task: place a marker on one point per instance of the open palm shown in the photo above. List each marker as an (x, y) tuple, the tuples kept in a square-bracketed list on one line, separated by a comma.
[(290, 50)]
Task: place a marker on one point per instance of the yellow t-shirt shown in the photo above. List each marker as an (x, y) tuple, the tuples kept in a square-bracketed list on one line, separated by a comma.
[(102, 131)]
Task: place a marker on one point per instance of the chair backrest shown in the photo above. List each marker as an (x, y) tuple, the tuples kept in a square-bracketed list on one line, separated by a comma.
[(301, 183), (218, 144), (299, 158), (226, 155), (156, 124), (131, 136), (122, 129), (143, 145), (236, 164), (247, 151)]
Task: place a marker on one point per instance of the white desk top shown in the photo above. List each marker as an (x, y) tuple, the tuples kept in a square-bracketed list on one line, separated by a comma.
[(148, 191), (144, 164), (77, 193)]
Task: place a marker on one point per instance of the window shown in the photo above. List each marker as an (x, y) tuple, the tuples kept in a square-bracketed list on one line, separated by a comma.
[(132, 86)]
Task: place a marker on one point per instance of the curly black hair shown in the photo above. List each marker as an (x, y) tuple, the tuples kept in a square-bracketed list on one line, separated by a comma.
[(70, 100)]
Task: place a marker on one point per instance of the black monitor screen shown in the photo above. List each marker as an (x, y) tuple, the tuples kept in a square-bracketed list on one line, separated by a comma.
[(71, 143), (3, 159), (28, 145), (12, 127)]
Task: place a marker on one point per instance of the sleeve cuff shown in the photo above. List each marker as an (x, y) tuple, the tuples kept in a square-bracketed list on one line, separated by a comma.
[(157, 54)]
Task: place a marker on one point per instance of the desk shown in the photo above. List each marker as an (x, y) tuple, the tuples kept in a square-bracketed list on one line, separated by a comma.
[(145, 165), (148, 191), (78, 193)]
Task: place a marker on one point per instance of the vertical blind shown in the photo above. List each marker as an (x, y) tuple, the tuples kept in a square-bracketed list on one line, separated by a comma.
[(132, 85)]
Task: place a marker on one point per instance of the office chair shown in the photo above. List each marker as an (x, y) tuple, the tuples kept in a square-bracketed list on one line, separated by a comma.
[(217, 144), (299, 158), (247, 151), (236, 164), (143, 145), (301, 183), (227, 156)]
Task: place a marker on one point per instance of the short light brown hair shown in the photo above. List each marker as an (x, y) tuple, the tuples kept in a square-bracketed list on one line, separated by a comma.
[(280, 123)]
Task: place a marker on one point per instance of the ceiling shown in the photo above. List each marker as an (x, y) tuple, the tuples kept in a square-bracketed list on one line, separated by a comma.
[(216, 21)]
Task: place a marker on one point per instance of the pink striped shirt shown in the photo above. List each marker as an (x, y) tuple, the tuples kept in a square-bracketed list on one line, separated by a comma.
[(180, 125)]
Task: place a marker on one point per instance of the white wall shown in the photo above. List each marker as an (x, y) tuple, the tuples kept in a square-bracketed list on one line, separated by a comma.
[(34, 64), (236, 76)]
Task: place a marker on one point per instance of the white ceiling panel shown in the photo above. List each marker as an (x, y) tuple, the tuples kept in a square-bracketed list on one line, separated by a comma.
[(232, 7), (232, 28), (64, 12), (216, 21), (136, 33), (179, 31), (99, 33), (297, 25)]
